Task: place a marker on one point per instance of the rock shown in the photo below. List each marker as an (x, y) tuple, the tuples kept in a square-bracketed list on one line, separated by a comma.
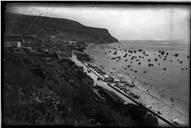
[(150, 65), (140, 50), (176, 55)]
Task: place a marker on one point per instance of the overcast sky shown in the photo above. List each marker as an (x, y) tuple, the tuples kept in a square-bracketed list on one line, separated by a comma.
[(122, 22)]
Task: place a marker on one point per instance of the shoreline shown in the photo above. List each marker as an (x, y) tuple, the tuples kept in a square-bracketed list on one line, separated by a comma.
[(157, 102)]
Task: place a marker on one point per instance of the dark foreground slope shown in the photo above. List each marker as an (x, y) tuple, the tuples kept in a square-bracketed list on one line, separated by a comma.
[(38, 91), (59, 27)]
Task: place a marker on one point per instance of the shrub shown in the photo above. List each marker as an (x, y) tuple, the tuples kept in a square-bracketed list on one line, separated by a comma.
[(136, 112), (150, 120)]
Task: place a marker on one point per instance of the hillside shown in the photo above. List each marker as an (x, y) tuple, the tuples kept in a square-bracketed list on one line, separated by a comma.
[(62, 28), (41, 91), (43, 86)]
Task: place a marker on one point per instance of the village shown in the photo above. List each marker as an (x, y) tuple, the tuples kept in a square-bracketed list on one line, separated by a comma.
[(21, 45), (63, 49)]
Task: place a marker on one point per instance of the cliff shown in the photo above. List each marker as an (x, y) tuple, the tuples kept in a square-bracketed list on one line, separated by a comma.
[(62, 28)]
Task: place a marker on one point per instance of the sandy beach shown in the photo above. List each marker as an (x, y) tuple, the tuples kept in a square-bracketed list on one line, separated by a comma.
[(155, 87)]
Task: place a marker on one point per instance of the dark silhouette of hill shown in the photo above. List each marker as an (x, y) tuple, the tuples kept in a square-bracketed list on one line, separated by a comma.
[(59, 27)]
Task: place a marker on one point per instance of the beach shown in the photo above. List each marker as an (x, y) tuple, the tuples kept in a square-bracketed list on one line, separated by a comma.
[(166, 80)]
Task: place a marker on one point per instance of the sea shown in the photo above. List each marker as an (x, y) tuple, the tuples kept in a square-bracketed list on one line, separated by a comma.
[(169, 75)]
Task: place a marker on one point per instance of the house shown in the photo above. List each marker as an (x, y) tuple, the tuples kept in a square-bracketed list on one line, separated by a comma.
[(123, 80), (30, 39), (28, 48), (71, 42), (108, 78), (13, 40), (52, 37), (18, 44), (117, 80), (18, 40)]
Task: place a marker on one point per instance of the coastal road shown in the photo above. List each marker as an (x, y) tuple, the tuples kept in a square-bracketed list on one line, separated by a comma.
[(94, 75), (100, 83)]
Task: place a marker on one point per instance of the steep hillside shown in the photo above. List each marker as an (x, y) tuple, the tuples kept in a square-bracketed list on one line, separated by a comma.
[(59, 27), (37, 91)]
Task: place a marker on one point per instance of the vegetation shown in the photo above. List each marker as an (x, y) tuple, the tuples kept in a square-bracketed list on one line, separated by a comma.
[(61, 28), (57, 92)]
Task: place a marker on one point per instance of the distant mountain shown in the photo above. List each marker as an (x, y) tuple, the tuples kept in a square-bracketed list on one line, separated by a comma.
[(59, 27)]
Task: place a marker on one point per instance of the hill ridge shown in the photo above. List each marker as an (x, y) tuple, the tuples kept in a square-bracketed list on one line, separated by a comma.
[(65, 28)]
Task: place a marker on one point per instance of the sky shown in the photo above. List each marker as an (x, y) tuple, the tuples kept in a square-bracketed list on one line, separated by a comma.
[(124, 23)]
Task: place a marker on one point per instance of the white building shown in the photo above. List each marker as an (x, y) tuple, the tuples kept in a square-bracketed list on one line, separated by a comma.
[(18, 44)]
